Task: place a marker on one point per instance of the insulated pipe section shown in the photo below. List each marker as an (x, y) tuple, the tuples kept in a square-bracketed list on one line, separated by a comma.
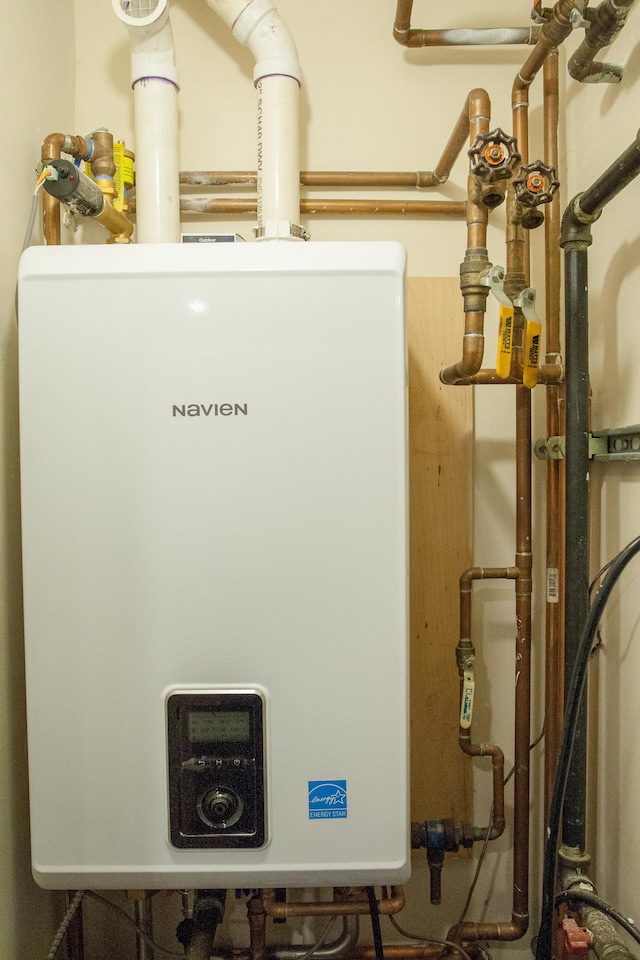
[(408, 37), (155, 85), (277, 77)]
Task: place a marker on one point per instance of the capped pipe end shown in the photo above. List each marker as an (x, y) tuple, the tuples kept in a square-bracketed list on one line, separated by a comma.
[(151, 39), (139, 13)]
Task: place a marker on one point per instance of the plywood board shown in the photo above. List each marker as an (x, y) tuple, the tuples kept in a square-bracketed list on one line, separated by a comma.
[(440, 439)]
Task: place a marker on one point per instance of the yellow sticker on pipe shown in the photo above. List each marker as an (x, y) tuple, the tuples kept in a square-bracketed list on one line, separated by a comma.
[(533, 329), (505, 342), (118, 179)]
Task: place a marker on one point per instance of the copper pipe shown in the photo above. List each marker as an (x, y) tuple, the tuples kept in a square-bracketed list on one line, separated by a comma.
[(554, 608), (549, 373), (412, 179), (403, 33), (257, 919), (52, 147), (516, 279), (467, 652), (336, 908), (418, 179), (476, 261), (432, 209)]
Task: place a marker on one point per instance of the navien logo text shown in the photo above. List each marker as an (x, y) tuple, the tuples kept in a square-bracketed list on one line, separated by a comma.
[(210, 409)]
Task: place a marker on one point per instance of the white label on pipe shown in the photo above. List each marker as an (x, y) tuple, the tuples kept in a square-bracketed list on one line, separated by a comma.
[(553, 585), (466, 707)]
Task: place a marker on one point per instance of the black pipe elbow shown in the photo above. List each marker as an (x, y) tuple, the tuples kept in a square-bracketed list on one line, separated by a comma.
[(576, 224)]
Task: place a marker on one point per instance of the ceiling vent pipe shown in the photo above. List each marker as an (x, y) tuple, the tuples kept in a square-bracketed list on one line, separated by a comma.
[(257, 24), (155, 84)]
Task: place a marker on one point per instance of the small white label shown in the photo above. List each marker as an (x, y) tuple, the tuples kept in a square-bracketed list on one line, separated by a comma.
[(466, 707), (553, 584)]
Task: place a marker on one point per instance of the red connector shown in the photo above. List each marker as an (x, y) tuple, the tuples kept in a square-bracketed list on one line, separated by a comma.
[(577, 940)]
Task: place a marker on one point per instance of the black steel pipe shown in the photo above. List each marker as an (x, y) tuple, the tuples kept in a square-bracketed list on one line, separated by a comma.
[(575, 238), (577, 518), (619, 175)]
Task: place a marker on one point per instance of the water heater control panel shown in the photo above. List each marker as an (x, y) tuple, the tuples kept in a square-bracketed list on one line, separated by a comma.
[(216, 769)]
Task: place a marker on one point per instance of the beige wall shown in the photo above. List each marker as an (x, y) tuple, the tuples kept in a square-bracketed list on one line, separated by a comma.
[(36, 78), (366, 104)]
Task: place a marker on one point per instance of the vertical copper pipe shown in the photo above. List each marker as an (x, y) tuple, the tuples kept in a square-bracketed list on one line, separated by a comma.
[(476, 258), (257, 928), (466, 650), (52, 147), (517, 278), (554, 611)]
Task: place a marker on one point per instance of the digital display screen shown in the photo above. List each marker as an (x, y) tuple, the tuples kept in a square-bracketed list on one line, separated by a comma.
[(219, 726)]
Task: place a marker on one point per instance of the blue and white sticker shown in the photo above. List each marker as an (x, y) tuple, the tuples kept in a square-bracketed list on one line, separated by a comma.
[(327, 799)]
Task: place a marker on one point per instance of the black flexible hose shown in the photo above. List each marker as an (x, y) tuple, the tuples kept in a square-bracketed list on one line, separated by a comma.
[(375, 923), (591, 900), (544, 947)]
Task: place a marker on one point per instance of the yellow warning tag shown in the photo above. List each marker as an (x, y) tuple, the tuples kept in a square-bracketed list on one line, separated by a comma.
[(532, 332), (118, 179), (505, 342)]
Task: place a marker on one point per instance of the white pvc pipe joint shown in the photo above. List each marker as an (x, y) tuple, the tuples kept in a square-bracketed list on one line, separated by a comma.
[(277, 76), (154, 79)]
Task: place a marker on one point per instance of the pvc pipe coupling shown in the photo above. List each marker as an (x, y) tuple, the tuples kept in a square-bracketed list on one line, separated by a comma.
[(151, 39)]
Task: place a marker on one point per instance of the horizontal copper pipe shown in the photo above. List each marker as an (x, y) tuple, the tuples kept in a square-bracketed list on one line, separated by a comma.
[(433, 209), (412, 179), (330, 908), (408, 37), (549, 374)]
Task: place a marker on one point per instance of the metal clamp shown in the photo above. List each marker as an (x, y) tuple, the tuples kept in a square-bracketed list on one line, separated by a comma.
[(494, 279), (290, 230)]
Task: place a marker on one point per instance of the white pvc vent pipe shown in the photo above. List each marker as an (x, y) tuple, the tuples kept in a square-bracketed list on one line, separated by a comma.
[(155, 83), (257, 24)]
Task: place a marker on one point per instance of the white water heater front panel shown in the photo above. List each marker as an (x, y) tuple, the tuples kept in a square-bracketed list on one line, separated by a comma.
[(214, 528)]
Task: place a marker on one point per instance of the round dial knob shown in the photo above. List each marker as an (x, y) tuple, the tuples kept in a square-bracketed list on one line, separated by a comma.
[(220, 807)]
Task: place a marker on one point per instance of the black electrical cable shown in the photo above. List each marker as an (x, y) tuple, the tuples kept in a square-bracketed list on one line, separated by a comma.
[(544, 945), (375, 923), (591, 900)]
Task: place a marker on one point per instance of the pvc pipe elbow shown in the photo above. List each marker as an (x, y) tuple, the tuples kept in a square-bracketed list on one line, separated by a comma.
[(258, 25), (151, 39)]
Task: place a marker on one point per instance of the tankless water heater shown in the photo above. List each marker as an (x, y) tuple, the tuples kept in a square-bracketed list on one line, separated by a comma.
[(215, 579)]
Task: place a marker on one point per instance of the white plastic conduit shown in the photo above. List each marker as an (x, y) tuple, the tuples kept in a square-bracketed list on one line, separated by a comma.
[(155, 83), (257, 24)]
